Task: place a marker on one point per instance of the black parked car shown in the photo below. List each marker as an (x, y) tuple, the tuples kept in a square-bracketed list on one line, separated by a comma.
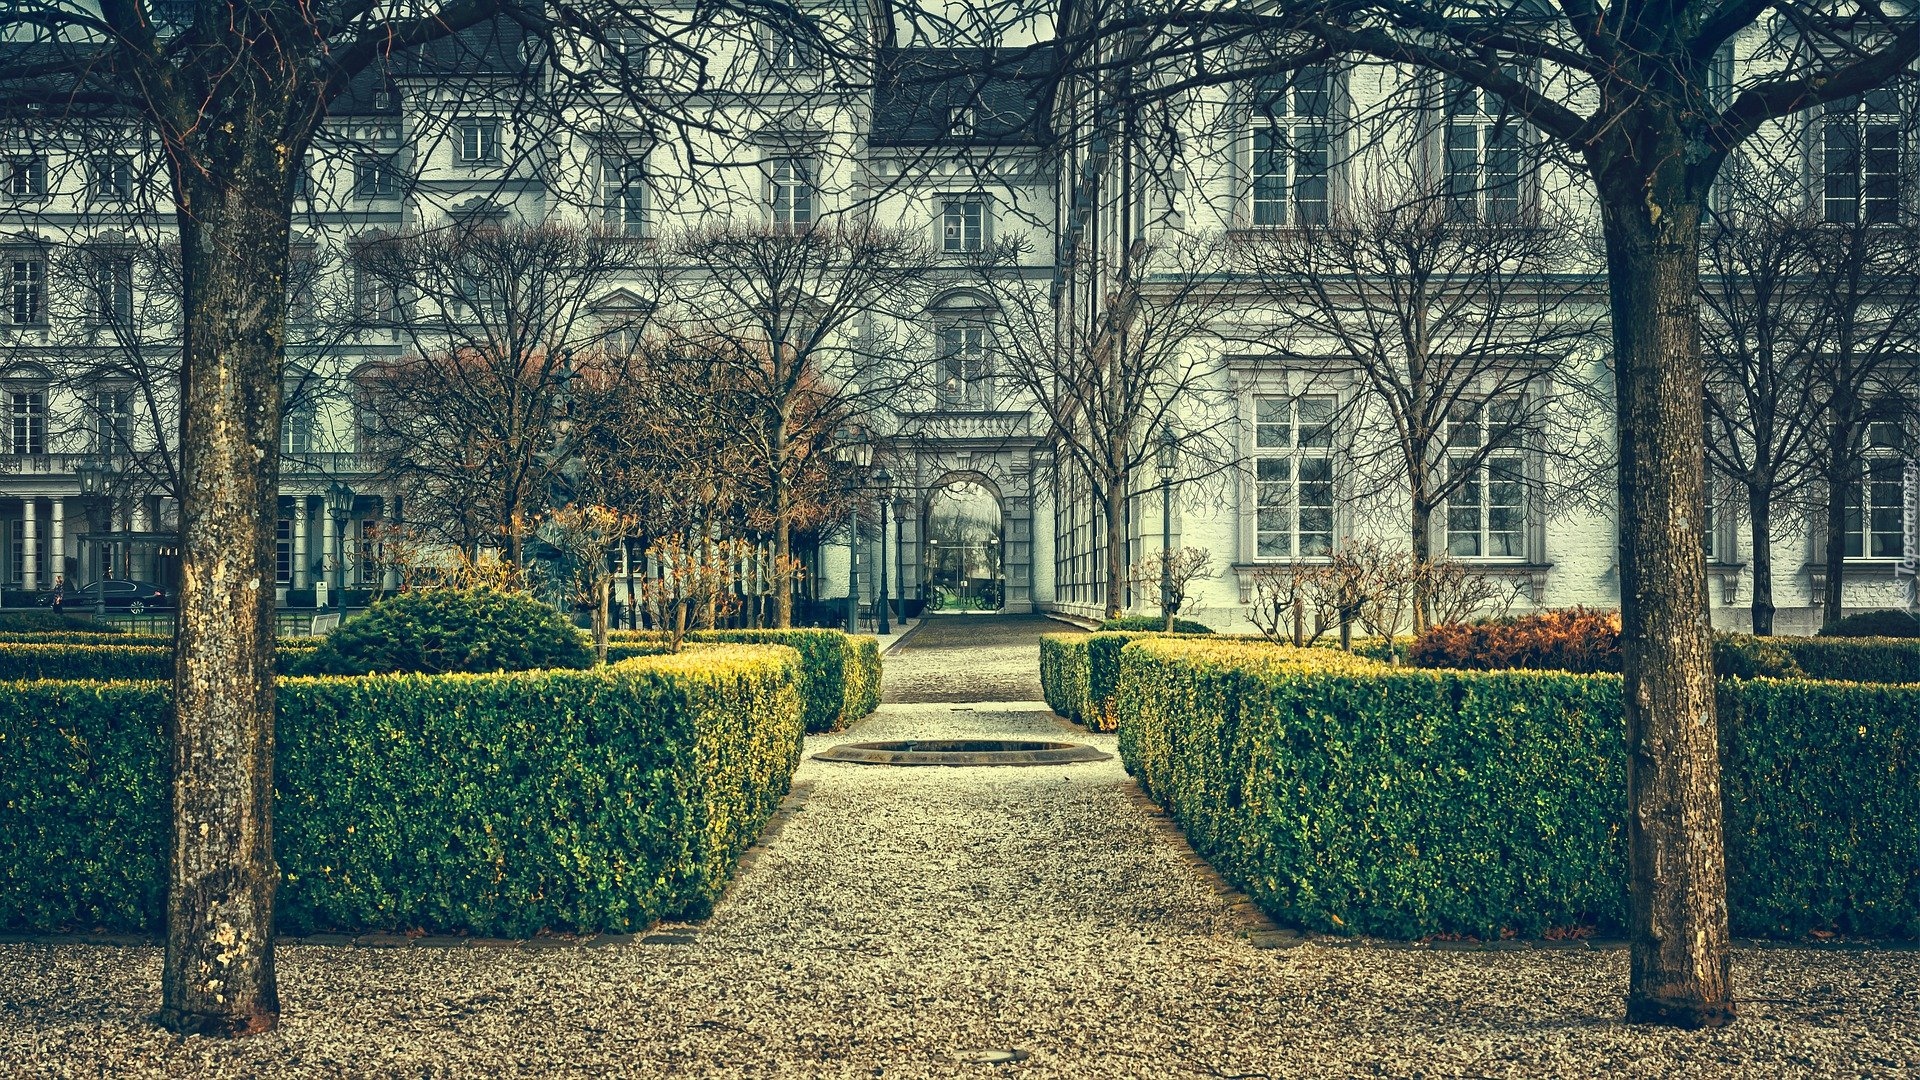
[(133, 597)]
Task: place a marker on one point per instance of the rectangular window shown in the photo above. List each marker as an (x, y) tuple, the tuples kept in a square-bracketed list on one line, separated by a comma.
[(1483, 157), (479, 141), (625, 51), (283, 551), (27, 421), (26, 289), (112, 421), (1486, 511), (1292, 148), (112, 299), (792, 194), (1293, 477), (963, 224), (965, 379), (960, 121), (623, 197), (296, 430), (26, 176), (111, 179), (1861, 153), (374, 297), (790, 49), (1874, 504), (375, 176)]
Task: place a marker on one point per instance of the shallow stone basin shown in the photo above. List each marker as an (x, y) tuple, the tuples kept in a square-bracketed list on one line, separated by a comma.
[(962, 752)]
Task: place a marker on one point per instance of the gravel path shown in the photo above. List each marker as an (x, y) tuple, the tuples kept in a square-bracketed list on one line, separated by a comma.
[(907, 919), (970, 658)]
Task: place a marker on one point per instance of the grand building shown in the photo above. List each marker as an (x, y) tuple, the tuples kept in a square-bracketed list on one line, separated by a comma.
[(1034, 196)]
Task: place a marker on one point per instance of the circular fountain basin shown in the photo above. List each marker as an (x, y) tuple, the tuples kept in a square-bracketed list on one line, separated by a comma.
[(962, 752)]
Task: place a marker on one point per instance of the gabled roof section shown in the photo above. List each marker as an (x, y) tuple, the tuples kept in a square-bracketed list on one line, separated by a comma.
[(962, 97)]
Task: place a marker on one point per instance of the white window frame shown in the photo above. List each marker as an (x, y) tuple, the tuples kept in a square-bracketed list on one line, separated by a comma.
[(110, 179), (111, 299), (793, 194), (624, 201), (26, 418), (477, 141), (958, 235), (788, 53), (1499, 472), (26, 285), (376, 176), (1875, 499), (1291, 479), (966, 365), (26, 177), (1871, 183), (1483, 157), (1291, 151)]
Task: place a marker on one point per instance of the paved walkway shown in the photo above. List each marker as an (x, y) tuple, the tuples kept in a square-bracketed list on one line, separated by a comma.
[(909, 920)]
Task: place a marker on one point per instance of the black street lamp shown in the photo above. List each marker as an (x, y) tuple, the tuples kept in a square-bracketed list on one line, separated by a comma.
[(899, 556), (883, 480), (852, 448), (96, 480), (1169, 461), (339, 500)]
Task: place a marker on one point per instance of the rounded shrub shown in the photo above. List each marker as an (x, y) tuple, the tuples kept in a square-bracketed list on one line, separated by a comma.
[(1154, 623), (447, 630), (1572, 639), (1888, 623)]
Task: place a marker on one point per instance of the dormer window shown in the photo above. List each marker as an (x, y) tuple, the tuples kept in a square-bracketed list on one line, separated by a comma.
[(960, 121)]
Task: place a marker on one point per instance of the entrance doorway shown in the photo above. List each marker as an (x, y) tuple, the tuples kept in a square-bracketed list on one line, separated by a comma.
[(965, 552)]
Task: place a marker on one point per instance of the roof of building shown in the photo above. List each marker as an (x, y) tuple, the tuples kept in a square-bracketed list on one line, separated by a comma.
[(962, 96)]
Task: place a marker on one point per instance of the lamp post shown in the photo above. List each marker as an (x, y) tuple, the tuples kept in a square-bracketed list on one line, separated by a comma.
[(851, 448), (883, 480), (96, 479), (339, 500), (1169, 461)]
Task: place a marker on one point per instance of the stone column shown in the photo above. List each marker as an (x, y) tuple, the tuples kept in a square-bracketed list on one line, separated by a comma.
[(326, 552), (59, 565), (300, 559), (30, 543)]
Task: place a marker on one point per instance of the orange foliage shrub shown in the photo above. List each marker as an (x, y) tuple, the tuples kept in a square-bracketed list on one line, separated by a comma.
[(1574, 639)]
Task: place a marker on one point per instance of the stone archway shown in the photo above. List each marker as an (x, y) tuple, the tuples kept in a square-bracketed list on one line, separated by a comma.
[(963, 523)]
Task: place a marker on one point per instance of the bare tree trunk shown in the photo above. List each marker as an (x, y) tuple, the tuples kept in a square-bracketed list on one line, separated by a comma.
[(1760, 515), (218, 976), (1115, 508), (1679, 963), (1420, 531), (603, 588), (1839, 477)]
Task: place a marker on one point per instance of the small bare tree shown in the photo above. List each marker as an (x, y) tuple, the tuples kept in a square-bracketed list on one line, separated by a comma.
[(1176, 570), (584, 535)]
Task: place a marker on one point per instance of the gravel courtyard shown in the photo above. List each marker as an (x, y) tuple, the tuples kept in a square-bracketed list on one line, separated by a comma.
[(907, 921)]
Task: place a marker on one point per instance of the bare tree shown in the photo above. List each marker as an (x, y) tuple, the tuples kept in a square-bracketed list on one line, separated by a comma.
[(465, 427), (808, 324), (232, 98), (1108, 389), (1760, 321), (1471, 356), (1636, 97), (1177, 570)]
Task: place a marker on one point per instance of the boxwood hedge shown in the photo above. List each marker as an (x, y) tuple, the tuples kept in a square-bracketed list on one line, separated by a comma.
[(842, 670), (1346, 796), (504, 804), (1063, 675)]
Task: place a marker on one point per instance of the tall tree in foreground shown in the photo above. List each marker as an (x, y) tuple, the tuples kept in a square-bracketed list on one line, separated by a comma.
[(233, 95), (1637, 94)]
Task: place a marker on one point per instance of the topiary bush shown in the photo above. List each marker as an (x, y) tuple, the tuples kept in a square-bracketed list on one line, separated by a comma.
[(1155, 624), (1888, 623), (1063, 675), (441, 631), (498, 805), (842, 671)]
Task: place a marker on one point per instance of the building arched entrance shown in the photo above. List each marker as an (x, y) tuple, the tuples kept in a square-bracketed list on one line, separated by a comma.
[(963, 558)]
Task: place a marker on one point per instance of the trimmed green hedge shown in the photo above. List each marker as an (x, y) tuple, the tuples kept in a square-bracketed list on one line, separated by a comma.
[(1063, 674), (1847, 659), (22, 660), (86, 637), (1884, 623), (842, 671), (1345, 796), (1154, 624), (44, 620), (500, 805)]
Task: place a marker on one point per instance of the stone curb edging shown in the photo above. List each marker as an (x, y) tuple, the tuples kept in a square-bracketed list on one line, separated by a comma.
[(664, 933)]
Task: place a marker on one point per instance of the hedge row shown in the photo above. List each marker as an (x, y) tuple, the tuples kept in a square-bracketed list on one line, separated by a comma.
[(1063, 675), (1346, 796), (1080, 673), (495, 805), (93, 663), (842, 670)]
